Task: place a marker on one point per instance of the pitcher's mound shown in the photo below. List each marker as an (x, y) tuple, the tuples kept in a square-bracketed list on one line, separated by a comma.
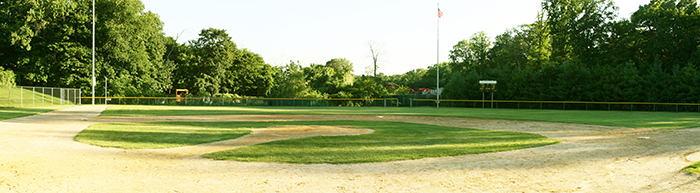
[(309, 130)]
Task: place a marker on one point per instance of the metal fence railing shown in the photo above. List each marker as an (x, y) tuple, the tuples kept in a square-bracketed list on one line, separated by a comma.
[(224, 101), (30, 96), (563, 105)]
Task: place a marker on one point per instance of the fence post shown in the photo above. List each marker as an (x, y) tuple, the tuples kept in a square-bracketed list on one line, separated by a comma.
[(397, 102), (21, 97), (43, 96), (33, 91), (411, 99), (384, 102)]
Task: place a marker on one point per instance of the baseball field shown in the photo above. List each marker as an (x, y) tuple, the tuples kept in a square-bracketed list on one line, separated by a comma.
[(283, 149)]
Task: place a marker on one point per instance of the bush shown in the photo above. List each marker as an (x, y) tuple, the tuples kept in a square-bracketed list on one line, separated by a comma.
[(7, 77)]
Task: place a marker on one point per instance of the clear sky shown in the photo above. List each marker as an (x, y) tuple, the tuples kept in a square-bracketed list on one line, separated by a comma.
[(315, 31)]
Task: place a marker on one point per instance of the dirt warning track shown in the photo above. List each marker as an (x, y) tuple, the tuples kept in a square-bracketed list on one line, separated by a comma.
[(38, 154)]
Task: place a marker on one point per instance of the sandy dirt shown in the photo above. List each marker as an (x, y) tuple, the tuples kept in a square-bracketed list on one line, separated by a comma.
[(38, 154)]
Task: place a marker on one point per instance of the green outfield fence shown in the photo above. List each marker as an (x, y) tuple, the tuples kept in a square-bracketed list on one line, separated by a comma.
[(30, 96), (224, 101), (398, 101), (562, 105)]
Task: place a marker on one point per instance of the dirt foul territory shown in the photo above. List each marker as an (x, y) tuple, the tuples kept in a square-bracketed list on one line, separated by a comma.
[(38, 154)]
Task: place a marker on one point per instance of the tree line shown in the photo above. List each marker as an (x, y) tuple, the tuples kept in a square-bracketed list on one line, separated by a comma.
[(580, 50), (576, 50)]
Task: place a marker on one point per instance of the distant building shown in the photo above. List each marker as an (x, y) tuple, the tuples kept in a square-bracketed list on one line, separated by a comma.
[(426, 91)]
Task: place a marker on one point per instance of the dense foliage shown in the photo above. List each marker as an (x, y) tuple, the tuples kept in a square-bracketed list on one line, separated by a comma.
[(579, 50), (576, 50)]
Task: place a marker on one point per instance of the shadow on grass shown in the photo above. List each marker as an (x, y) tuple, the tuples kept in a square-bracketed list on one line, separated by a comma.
[(635, 119), (11, 113), (391, 141)]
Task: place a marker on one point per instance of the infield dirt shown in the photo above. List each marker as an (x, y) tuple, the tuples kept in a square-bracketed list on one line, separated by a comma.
[(38, 154)]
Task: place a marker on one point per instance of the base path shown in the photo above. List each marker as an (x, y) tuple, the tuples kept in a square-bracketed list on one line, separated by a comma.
[(38, 154)]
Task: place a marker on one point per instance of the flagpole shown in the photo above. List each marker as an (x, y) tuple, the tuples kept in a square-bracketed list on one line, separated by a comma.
[(438, 59)]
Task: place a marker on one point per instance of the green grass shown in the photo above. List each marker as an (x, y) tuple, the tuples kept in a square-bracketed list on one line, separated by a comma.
[(26, 97), (160, 135), (10, 113), (693, 169), (635, 119), (391, 141)]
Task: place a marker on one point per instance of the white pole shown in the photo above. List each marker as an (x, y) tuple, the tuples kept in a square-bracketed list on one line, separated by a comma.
[(93, 52), (438, 60), (105, 90)]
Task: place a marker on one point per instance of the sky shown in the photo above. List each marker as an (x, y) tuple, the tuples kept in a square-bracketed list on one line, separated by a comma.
[(315, 31)]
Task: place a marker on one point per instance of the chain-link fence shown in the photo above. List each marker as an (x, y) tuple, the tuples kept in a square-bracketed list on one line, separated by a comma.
[(30, 96), (224, 101), (562, 105)]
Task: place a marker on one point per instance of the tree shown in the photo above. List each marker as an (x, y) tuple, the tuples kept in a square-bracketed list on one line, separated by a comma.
[(366, 88), (46, 42), (537, 40), (320, 78), (669, 32), (249, 75), (212, 64), (131, 46), (49, 44), (376, 50), (471, 54), (578, 27), (291, 82), (7, 77), (343, 71), (509, 49)]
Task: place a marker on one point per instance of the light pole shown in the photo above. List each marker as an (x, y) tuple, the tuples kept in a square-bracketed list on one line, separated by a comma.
[(93, 52)]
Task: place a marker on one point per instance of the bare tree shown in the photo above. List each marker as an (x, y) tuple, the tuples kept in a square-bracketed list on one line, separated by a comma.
[(376, 50)]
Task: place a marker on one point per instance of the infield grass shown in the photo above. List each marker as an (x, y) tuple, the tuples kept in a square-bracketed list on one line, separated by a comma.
[(634, 119), (159, 135), (391, 141), (15, 112), (693, 169)]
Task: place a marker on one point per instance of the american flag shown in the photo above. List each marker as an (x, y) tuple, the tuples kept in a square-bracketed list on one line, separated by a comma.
[(439, 13)]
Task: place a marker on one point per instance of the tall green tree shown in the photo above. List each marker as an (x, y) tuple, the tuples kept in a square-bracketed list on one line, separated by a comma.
[(46, 42), (213, 64), (578, 27), (471, 54), (49, 44), (509, 49), (670, 30), (291, 82), (249, 75), (131, 45), (343, 71)]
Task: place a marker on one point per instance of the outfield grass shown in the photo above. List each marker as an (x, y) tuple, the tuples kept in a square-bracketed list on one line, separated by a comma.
[(693, 169), (391, 141), (634, 119), (10, 113), (25, 97)]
